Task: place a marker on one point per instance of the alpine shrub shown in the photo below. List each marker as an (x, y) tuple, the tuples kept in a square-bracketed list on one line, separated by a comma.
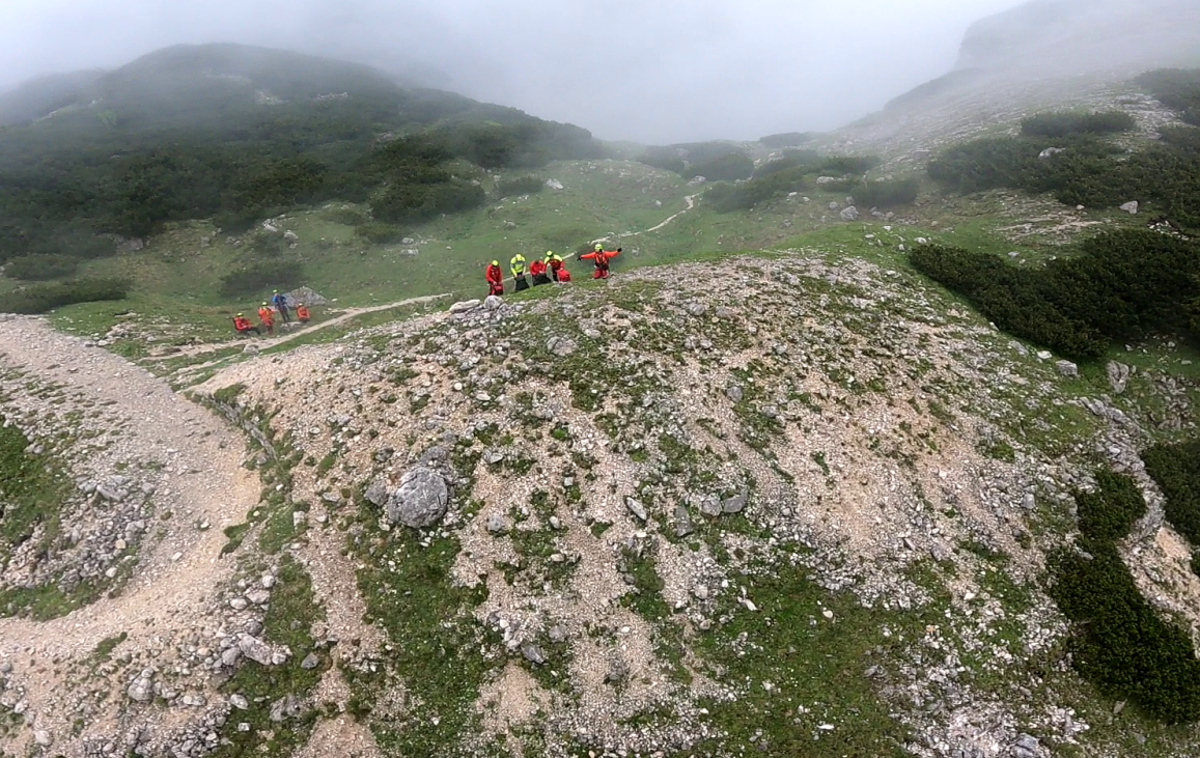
[(885, 194), (522, 185), (787, 139), (46, 297), (1176, 469), (727, 168), (1120, 643), (40, 268), (378, 234), (413, 203), (1062, 124), (260, 275)]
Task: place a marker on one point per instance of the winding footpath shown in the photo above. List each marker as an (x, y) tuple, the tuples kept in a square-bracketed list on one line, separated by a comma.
[(201, 480)]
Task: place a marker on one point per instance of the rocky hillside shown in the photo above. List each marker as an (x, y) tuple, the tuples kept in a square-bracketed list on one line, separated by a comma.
[(1068, 37), (659, 517)]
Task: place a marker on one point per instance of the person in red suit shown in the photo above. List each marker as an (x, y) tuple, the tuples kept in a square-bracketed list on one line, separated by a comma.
[(601, 257), (495, 279)]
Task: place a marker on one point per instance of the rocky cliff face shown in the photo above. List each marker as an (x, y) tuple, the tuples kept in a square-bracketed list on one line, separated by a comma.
[(1067, 37)]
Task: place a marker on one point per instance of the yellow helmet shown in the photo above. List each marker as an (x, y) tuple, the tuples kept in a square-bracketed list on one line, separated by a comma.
[(549, 254), (241, 315), (264, 305), (495, 263), (599, 247)]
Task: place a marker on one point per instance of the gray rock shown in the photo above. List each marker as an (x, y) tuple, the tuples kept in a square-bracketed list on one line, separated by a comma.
[(849, 214), (492, 457), (1028, 742), (114, 489), (554, 184), (683, 522), (636, 508), (377, 493), (291, 236), (834, 205), (285, 708), (1118, 376), (255, 649), (1051, 151), (618, 670), (43, 737), (258, 596), (734, 393), (561, 346), (497, 524), (696, 309), (464, 306), (420, 501), (493, 302), (1020, 349), (239, 701), (696, 181), (823, 180), (710, 505), (310, 662), (558, 635), (142, 689), (1131, 207), (230, 657), (1066, 368), (533, 654), (735, 504)]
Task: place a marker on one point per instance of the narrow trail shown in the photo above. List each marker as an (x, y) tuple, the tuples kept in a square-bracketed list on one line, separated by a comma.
[(263, 344), (202, 480), (691, 203)]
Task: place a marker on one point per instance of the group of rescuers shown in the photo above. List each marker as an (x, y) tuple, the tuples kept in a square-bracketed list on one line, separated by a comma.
[(552, 268), (266, 316)]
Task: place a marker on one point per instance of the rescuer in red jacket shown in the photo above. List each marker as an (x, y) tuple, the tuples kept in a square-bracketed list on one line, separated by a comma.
[(538, 270), (495, 279), (601, 257)]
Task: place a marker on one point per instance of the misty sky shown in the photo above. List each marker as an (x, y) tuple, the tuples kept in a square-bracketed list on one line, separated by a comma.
[(648, 70)]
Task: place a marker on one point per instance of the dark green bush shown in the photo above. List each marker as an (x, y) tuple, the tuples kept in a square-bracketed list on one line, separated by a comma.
[(40, 268), (46, 297), (1120, 643), (1176, 469), (521, 185), (1111, 512), (1178, 89), (805, 159), (727, 168), (726, 198), (787, 139), (1062, 124), (378, 234), (885, 194), (1124, 285), (413, 203), (665, 158), (839, 165), (259, 276)]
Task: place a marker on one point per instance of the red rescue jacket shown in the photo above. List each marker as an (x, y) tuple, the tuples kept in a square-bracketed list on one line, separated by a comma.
[(537, 268), (241, 324), (495, 275), (601, 258), (266, 315)]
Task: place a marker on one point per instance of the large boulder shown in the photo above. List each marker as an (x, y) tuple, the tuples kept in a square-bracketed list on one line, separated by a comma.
[(420, 500)]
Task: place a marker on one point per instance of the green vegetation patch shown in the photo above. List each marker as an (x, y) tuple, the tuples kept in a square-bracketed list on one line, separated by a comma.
[(1064, 123), (1120, 643), (1064, 154), (46, 297), (781, 660), (1123, 286), (288, 621), (1176, 469), (438, 649), (41, 267)]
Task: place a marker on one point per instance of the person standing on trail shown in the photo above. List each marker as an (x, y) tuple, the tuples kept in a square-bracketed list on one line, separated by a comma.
[(302, 313), (555, 262), (538, 270), (242, 325), (601, 257), (266, 317), (495, 279), (280, 303), (517, 264)]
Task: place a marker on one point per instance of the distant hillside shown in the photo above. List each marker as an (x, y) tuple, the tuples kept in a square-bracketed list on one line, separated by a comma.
[(1051, 37), (43, 95), (240, 133)]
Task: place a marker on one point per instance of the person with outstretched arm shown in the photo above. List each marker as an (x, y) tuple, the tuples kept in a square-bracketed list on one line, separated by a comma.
[(601, 258)]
